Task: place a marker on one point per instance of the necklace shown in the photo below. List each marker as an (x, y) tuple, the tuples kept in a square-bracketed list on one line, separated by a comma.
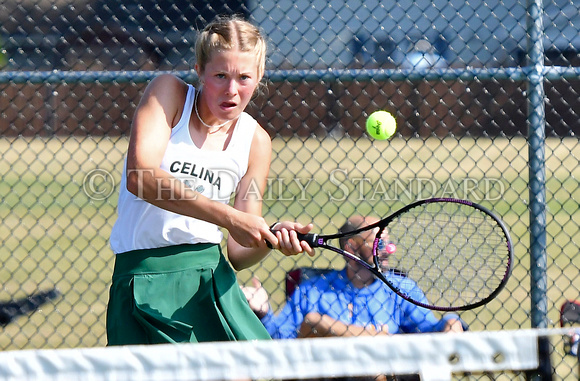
[(217, 128)]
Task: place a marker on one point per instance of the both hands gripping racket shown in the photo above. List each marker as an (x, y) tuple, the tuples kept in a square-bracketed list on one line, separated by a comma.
[(451, 254)]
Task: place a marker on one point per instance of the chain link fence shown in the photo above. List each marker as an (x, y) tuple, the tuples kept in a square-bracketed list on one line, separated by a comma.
[(461, 78)]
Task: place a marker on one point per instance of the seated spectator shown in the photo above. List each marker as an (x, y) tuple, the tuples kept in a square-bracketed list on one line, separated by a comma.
[(347, 302)]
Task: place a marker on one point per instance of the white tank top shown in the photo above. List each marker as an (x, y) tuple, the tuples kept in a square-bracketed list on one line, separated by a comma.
[(215, 174)]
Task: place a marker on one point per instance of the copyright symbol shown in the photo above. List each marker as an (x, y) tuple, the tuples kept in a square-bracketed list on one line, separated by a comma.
[(98, 184)]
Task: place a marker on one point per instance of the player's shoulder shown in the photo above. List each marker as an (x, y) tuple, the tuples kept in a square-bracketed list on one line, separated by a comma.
[(168, 91), (261, 136), (261, 142), (168, 81), (168, 88)]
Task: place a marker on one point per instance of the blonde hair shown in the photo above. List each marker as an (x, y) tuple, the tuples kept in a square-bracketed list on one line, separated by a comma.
[(228, 33)]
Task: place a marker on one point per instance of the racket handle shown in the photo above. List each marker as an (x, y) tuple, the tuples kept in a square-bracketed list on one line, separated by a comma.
[(309, 238)]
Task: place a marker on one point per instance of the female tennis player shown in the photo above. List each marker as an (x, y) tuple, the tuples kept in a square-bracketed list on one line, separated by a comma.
[(190, 150)]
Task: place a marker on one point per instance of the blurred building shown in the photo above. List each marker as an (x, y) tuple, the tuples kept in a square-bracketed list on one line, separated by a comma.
[(375, 33), (131, 34), (105, 34)]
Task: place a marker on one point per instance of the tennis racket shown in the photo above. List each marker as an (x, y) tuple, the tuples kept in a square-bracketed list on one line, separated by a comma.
[(450, 254)]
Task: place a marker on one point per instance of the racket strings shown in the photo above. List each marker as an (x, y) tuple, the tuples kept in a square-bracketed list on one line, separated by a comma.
[(455, 253)]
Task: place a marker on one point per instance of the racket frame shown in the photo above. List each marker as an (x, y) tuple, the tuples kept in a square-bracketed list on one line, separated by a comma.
[(320, 240)]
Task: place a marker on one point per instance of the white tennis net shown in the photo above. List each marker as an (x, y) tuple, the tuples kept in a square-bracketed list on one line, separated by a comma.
[(432, 356)]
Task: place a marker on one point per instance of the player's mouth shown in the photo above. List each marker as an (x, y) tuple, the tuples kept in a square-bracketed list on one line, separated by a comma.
[(227, 106)]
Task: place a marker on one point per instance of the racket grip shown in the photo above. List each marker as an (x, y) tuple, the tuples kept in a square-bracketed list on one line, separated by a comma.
[(310, 239)]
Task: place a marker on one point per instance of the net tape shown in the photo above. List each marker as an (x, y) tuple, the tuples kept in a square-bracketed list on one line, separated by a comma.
[(433, 356)]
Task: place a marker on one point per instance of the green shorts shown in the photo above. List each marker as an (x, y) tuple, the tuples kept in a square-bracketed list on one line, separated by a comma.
[(176, 294)]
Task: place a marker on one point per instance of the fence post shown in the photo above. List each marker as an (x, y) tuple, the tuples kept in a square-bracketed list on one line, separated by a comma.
[(537, 185), (536, 141)]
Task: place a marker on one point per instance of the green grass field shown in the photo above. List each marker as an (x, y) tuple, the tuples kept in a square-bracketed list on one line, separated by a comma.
[(54, 234)]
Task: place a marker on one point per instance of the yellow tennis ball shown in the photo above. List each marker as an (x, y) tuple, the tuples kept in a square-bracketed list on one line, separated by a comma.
[(381, 125)]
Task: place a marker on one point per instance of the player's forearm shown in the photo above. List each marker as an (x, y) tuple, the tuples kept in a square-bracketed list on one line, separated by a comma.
[(243, 257)]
